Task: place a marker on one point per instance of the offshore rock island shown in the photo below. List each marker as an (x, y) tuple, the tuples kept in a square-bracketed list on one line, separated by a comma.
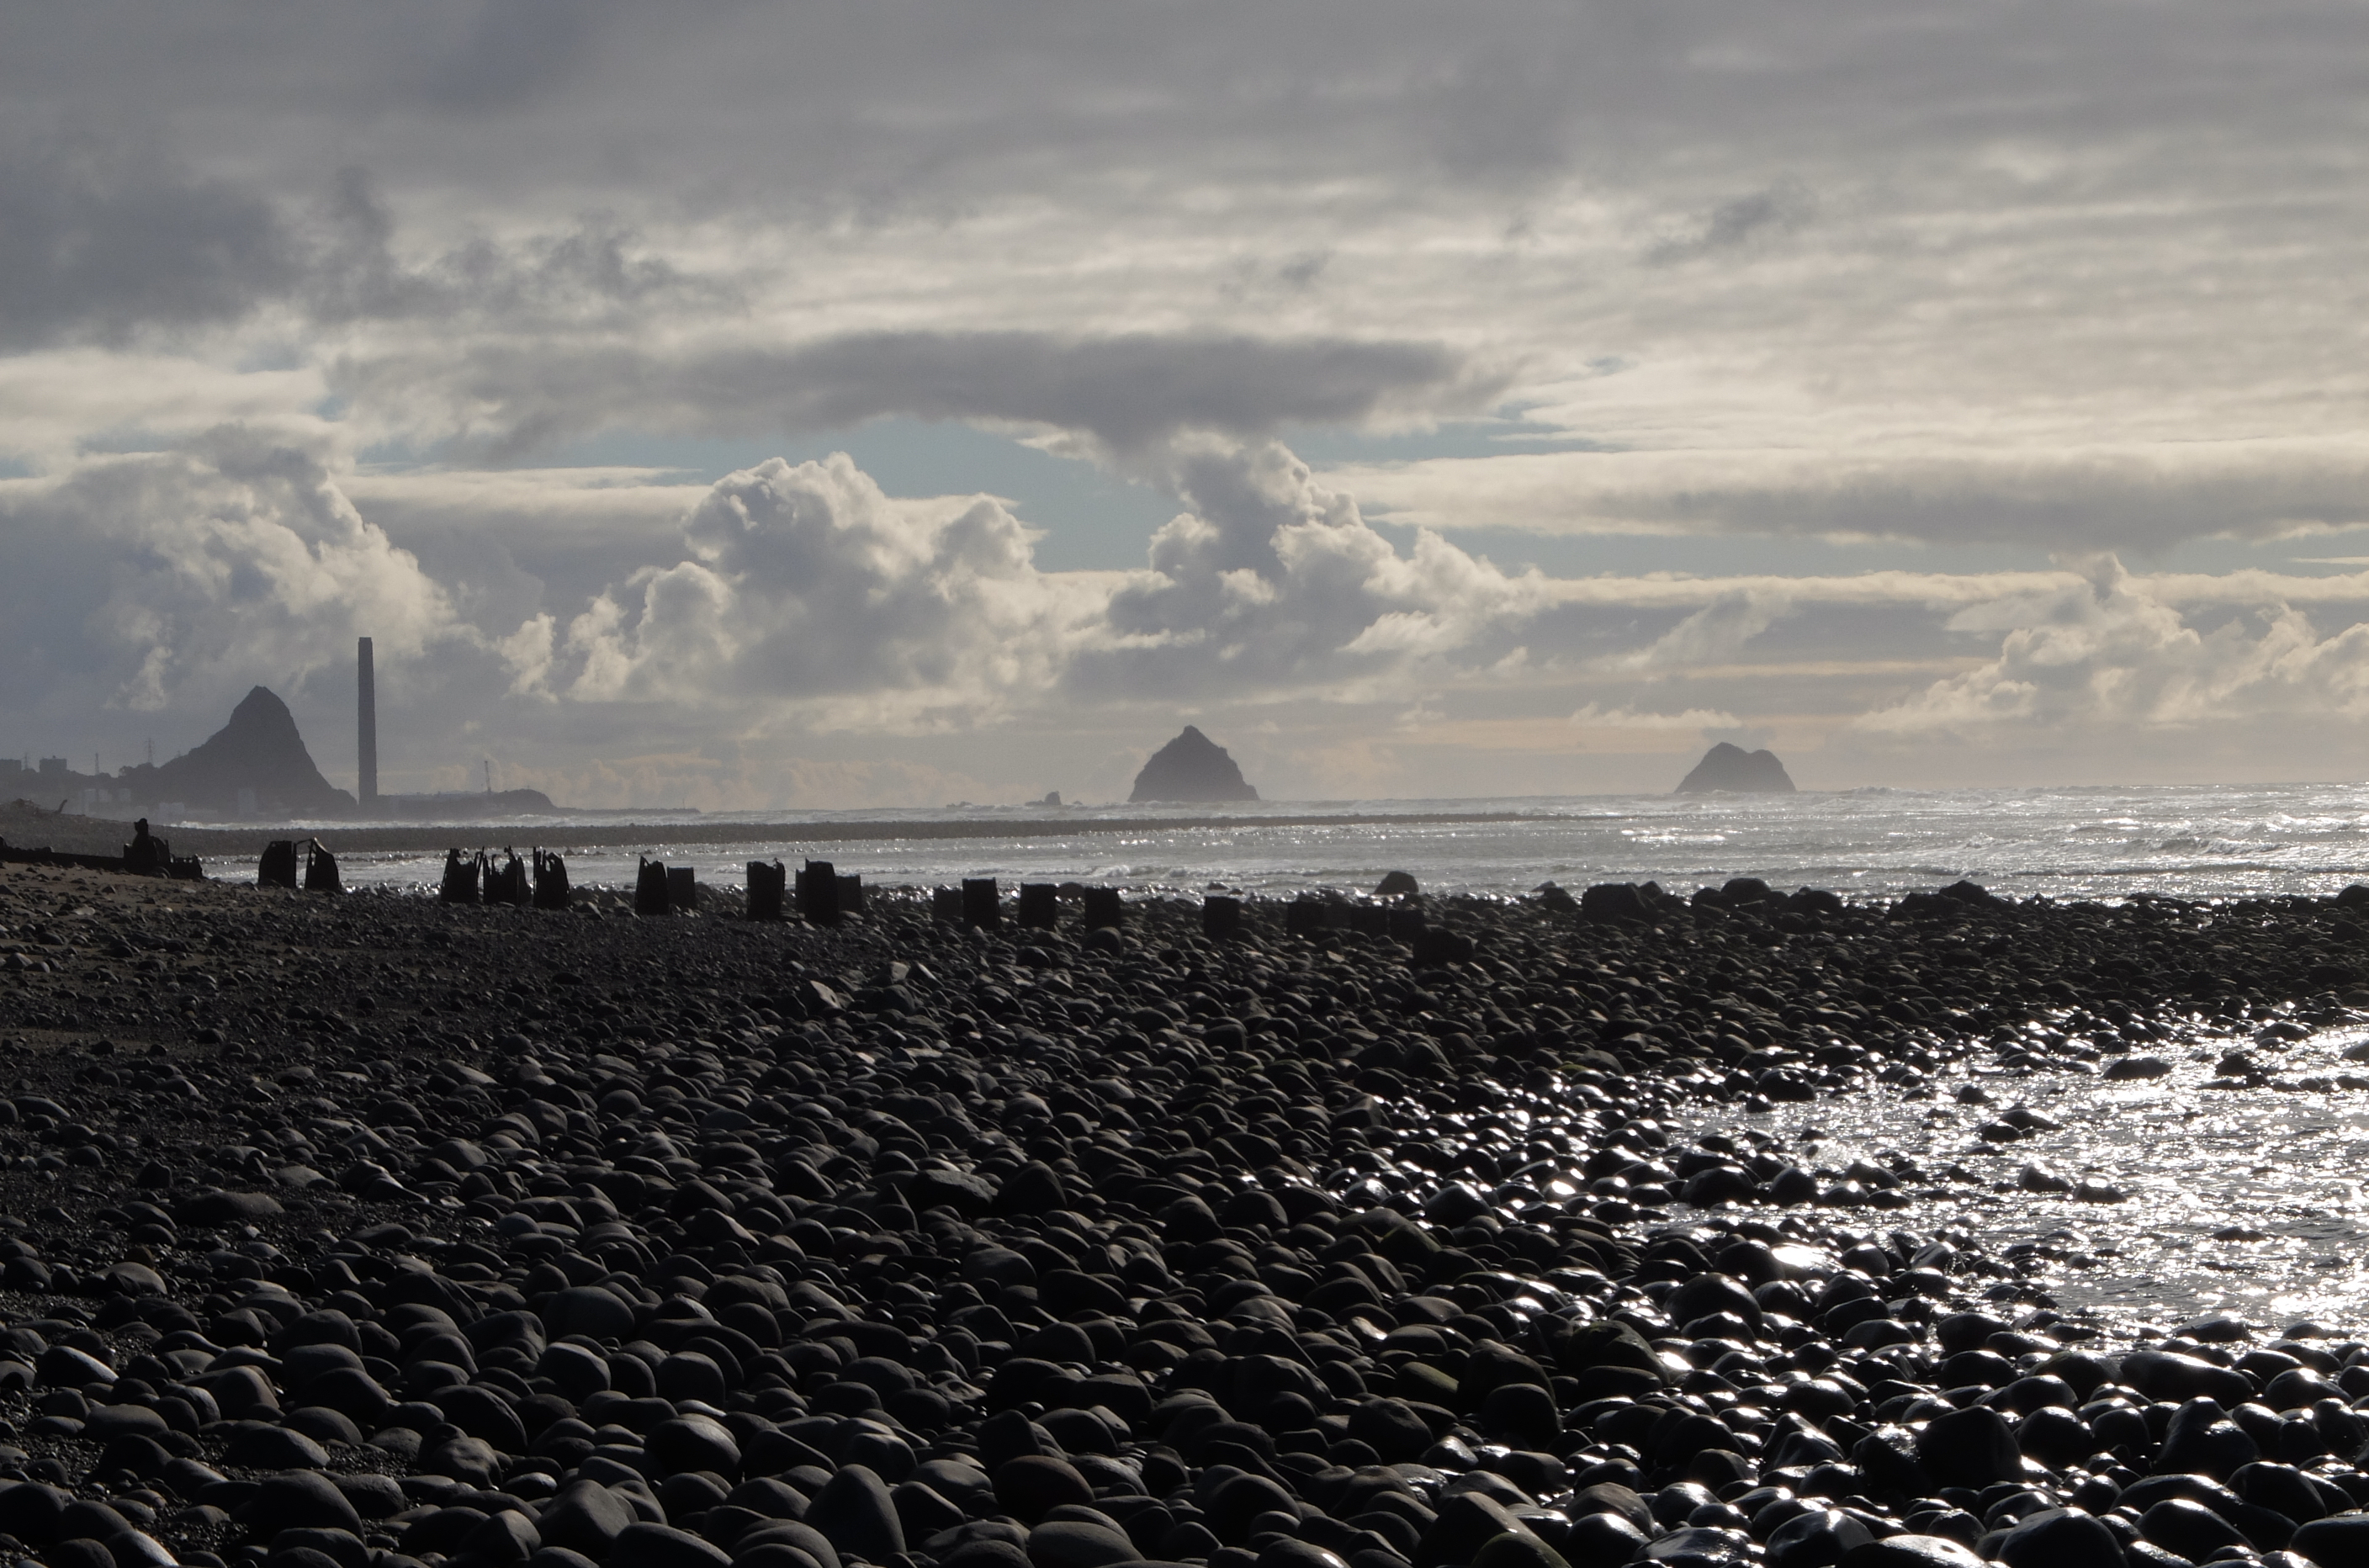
[(1192, 769), (1730, 769), (1331, 1234)]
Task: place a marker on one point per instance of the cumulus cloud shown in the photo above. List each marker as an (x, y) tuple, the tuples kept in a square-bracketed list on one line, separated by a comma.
[(178, 579), (2106, 653), (809, 590), (1271, 580), (806, 591)]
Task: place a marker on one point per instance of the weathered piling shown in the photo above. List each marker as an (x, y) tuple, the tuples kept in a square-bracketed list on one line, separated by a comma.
[(818, 893), (550, 881), (507, 883), (1104, 906), (981, 910), (461, 877), (650, 895), (768, 885), (1040, 906)]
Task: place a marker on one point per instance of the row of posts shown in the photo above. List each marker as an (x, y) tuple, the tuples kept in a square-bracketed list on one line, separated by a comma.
[(823, 895)]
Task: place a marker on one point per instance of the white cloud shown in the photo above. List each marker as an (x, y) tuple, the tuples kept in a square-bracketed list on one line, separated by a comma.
[(811, 592), (1890, 484), (1711, 634), (1595, 716), (176, 580), (2107, 654)]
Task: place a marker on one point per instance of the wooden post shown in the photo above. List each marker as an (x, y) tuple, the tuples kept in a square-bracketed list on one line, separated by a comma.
[(682, 888), (1040, 905), (1104, 907), (279, 867), (767, 881), (1221, 918), (321, 870), (460, 878), (651, 889), (818, 893), (946, 905), (850, 893), (550, 881), (983, 910)]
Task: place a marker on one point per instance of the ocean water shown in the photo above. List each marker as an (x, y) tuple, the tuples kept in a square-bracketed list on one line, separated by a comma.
[(2190, 842)]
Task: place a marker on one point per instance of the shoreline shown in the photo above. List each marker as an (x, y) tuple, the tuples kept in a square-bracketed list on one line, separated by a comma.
[(103, 835), (1186, 1249)]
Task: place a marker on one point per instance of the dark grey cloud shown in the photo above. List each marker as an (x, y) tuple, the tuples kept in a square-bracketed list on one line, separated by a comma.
[(1130, 392), (597, 268), (99, 241), (514, 52), (2128, 504), (1737, 223), (721, 104)]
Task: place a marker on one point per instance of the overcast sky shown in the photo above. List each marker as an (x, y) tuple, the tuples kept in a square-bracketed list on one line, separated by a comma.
[(744, 406)]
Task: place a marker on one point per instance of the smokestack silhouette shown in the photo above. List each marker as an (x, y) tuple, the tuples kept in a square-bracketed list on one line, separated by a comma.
[(366, 725)]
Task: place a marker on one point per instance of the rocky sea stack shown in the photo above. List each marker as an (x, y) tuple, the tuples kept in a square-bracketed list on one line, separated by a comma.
[(1733, 770), (1192, 768), (257, 750)]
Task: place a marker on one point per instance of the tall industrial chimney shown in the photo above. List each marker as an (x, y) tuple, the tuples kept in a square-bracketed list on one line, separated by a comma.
[(366, 721)]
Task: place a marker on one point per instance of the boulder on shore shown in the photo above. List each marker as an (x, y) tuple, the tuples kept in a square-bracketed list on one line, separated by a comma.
[(1733, 770), (1190, 768)]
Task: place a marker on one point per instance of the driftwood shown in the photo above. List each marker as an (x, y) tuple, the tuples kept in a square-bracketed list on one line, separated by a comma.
[(183, 868)]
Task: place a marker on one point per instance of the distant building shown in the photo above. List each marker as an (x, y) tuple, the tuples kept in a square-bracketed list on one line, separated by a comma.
[(10, 768), (53, 766)]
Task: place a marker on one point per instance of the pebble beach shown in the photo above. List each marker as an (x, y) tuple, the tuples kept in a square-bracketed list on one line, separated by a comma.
[(372, 1232)]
